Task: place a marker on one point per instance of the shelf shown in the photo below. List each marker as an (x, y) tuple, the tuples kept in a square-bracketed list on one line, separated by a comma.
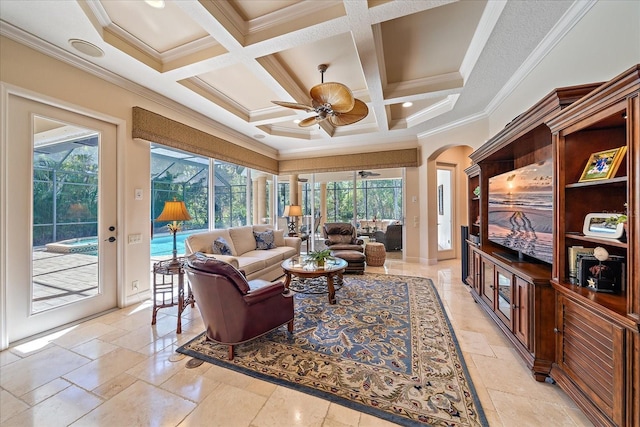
[(475, 199), (609, 242), (616, 303), (621, 180)]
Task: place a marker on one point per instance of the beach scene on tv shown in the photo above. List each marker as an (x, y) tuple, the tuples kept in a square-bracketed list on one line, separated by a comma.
[(521, 210)]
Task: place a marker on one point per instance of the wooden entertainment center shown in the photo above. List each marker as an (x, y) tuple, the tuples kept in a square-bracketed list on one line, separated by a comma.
[(587, 341)]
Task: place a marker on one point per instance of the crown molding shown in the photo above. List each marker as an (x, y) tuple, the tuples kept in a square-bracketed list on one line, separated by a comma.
[(571, 17), (61, 55)]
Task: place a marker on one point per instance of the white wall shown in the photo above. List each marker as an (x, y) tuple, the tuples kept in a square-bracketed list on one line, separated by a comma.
[(603, 44)]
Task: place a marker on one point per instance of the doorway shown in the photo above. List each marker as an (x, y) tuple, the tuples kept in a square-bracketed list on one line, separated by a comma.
[(445, 206), (61, 222)]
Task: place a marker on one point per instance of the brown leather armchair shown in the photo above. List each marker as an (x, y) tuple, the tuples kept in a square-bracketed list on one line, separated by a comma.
[(234, 310), (342, 241), (341, 236)]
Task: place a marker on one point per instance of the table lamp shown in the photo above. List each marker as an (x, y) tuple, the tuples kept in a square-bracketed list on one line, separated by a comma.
[(292, 211), (174, 211)]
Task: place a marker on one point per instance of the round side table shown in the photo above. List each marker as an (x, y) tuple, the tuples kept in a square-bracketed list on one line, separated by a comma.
[(375, 253)]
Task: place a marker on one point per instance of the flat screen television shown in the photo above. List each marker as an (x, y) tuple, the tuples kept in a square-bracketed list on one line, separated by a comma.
[(521, 212)]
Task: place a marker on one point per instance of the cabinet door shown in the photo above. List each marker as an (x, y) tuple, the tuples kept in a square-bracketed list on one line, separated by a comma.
[(477, 272), (521, 310), (592, 352), (504, 291), (470, 279), (488, 284)]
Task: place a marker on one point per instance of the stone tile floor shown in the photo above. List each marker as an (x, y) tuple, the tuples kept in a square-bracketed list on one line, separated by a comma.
[(115, 370)]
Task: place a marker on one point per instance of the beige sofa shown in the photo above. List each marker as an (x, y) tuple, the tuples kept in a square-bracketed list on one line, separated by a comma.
[(256, 263)]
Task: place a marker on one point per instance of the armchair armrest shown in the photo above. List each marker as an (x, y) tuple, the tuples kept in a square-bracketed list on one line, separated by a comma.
[(262, 290)]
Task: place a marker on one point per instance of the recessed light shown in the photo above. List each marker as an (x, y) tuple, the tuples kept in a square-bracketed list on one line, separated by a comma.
[(158, 4), (258, 136), (407, 104), (86, 48), (296, 121)]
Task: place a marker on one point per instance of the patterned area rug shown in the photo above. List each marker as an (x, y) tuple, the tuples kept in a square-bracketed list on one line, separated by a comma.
[(386, 348)]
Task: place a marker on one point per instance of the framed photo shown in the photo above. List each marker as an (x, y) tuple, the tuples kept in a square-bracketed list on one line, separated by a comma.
[(603, 164), (600, 225)]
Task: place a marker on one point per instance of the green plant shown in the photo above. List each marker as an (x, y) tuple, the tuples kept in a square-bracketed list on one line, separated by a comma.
[(615, 220), (618, 219), (318, 257)]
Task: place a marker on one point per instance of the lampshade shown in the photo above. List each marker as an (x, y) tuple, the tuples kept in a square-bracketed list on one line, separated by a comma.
[(292, 210), (174, 210)]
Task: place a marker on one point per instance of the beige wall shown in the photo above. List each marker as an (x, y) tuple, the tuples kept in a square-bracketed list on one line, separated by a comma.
[(600, 46)]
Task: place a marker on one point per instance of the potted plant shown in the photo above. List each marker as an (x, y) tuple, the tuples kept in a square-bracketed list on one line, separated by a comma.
[(318, 257), (619, 219)]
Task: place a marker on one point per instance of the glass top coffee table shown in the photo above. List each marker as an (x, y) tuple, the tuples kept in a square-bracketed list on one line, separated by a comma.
[(296, 267)]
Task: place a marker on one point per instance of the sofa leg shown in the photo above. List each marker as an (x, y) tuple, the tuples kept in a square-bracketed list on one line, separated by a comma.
[(290, 326), (230, 352)]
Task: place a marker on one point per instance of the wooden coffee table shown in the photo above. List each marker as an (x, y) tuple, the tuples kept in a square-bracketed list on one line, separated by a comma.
[(296, 267)]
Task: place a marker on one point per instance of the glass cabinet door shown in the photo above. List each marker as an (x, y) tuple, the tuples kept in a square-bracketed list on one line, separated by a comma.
[(488, 286), (504, 280)]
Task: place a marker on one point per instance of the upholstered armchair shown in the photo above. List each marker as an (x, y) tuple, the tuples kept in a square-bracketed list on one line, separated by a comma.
[(341, 236), (233, 309), (392, 237)]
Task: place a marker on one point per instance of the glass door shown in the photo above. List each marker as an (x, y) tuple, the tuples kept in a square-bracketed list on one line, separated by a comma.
[(63, 263), (504, 283)]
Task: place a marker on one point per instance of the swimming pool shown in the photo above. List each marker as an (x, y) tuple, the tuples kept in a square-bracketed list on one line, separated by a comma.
[(69, 246), (160, 244), (163, 244)]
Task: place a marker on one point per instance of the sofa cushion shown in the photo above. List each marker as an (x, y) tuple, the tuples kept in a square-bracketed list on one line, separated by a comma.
[(243, 240), (278, 238), (202, 242), (221, 247), (264, 240), (251, 264), (270, 257)]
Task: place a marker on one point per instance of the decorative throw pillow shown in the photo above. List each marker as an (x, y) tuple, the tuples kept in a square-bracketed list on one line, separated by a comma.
[(221, 247), (264, 240)]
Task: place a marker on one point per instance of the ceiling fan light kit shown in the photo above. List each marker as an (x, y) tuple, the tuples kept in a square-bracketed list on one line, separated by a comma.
[(331, 100)]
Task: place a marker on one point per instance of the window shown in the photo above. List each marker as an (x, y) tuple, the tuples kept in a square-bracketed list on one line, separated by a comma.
[(181, 176)]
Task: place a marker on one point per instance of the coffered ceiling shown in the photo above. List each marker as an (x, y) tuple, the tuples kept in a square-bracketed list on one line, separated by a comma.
[(227, 60)]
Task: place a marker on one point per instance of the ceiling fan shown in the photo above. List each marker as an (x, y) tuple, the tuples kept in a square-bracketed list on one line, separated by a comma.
[(366, 174), (331, 100)]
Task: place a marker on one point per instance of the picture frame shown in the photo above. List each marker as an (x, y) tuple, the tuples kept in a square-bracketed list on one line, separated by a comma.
[(597, 225), (603, 164)]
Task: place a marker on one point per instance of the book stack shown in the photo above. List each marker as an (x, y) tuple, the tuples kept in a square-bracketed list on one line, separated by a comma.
[(573, 260)]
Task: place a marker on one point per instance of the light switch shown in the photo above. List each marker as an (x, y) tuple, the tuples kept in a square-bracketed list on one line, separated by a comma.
[(135, 238), (138, 194)]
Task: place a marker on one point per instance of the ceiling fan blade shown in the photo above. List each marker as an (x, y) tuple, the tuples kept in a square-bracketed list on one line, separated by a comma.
[(310, 121), (359, 112), (336, 94), (293, 105)]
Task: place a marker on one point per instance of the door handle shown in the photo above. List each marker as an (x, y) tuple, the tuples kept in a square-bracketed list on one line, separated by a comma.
[(110, 239)]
